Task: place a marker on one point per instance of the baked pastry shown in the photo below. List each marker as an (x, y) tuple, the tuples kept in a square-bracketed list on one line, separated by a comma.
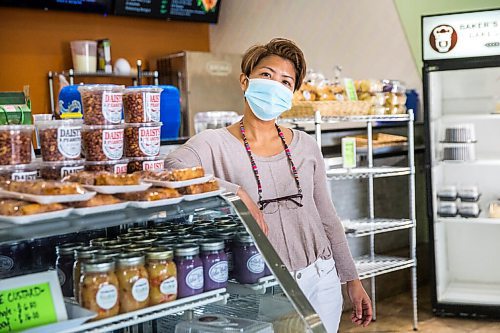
[(40, 187), (186, 174), (156, 175), (151, 194), (20, 208), (209, 186), (97, 200), (104, 178)]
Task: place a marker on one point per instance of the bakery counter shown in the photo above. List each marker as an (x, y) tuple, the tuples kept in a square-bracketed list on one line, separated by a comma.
[(73, 223)]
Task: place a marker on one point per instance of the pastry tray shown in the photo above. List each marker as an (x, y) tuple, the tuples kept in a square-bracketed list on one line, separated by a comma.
[(100, 209), (27, 219), (179, 184), (48, 199), (155, 203), (114, 189), (192, 197)]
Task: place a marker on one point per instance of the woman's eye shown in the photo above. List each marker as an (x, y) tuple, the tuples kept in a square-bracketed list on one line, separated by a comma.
[(265, 75), (287, 83)]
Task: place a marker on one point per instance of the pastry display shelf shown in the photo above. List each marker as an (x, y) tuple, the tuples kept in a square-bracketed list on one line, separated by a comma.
[(74, 223), (366, 227), (257, 288), (365, 172), (353, 118), (370, 267), (153, 312)]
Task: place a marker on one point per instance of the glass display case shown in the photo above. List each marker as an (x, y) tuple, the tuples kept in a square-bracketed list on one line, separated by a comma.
[(274, 299)]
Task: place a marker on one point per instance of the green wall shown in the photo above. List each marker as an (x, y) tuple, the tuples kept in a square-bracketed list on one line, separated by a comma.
[(410, 12)]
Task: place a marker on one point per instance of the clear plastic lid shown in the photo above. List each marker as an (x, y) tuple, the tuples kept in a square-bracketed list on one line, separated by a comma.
[(157, 124), (147, 158), (100, 87), (19, 167), (135, 90), (60, 164), (102, 127), (41, 125), (20, 128), (104, 163)]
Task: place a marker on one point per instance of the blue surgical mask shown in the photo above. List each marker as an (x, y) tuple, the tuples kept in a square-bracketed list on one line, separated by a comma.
[(268, 99)]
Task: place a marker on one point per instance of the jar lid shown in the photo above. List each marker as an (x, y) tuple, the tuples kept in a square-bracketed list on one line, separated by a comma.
[(243, 237), (115, 244), (182, 228), (130, 259), (101, 87), (145, 240), (225, 234), (107, 254), (148, 158), (23, 128), (98, 266), (211, 244), (20, 167), (60, 164), (203, 231), (137, 230), (159, 253), (138, 248), (227, 224), (86, 252), (102, 127), (191, 239), (130, 237), (187, 250), (110, 162), (163, 226), (68, 248), (159, 233), (156, 124), (165, 244), (98, 241), (58, 123), (135, 90)]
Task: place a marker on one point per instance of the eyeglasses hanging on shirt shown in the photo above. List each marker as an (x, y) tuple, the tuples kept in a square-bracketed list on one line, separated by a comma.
[(270, 206)]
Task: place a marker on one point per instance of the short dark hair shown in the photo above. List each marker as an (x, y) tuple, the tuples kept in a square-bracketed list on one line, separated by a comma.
[(281, 47)]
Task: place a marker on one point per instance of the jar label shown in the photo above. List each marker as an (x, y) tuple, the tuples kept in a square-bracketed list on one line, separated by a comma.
[(69, 141), (140, 290), (112, 107), (112, 143), (169, 286), (153, 165), (6, 263), (256, 264), (61, 276), (23, 176), (149, 140), (194, 279), (152, 107), (107, 296), (69, 170), (218, 272), (120, 168)]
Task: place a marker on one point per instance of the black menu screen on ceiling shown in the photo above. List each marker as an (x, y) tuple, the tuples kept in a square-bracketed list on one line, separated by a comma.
[(146, 8), (194, 10), (93, 6)]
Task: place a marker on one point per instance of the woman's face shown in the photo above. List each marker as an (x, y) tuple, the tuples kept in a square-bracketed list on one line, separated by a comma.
[(272, 67)]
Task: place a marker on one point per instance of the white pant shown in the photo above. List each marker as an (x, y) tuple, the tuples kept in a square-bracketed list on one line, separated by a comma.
[(321, 285)]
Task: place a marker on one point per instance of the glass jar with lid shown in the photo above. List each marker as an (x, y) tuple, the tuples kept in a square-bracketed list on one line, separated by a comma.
[(115, 244), (189, 270), (227, 235), (191, 239), (130, 237), (162, 275), (146, 241), (107, 254), (139, 248), (215, 266), (99, 288), (98, 241), (134, 282), (138, 230), (82, 255), (248, 262), (64, 266)]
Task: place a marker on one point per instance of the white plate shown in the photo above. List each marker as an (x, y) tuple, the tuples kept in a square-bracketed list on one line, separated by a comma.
[(47, 199), (113, 189), (100, 209), (192, 197), (179, 184), (26, 219), (155, 203)]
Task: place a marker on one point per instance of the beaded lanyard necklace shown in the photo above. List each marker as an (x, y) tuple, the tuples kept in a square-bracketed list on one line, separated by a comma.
[(254, 165)]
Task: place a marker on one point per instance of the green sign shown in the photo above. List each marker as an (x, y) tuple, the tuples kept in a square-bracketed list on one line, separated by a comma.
[(350, 90), (26, 307)]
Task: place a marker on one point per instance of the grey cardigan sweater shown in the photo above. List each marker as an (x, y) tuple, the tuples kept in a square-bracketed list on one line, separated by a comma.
[(300, 236)]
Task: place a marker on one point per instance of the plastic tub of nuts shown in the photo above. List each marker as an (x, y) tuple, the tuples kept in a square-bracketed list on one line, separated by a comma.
[(19, 172), (115, 166), (59, 169), (141, 104), (154, 163), (142, 139), (15, 144), (102, 103), (102, 142), (60, 140)]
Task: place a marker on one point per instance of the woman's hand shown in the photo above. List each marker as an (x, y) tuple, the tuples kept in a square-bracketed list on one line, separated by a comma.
[(253, 209), (361, 303)]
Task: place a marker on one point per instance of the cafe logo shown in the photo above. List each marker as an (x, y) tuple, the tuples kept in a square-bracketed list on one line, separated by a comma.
[(443, 38)]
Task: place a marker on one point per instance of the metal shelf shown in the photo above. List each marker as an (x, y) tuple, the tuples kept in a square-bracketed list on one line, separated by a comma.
[(336, 119), (368, 268), (153, 312), (258, 288), (365, 172), (366, 227), (104, 74)]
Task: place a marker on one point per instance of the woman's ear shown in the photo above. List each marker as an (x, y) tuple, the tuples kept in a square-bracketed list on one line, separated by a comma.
[(243, 82)]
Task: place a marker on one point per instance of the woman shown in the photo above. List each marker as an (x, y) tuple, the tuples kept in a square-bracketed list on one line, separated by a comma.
[(280, 175)]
